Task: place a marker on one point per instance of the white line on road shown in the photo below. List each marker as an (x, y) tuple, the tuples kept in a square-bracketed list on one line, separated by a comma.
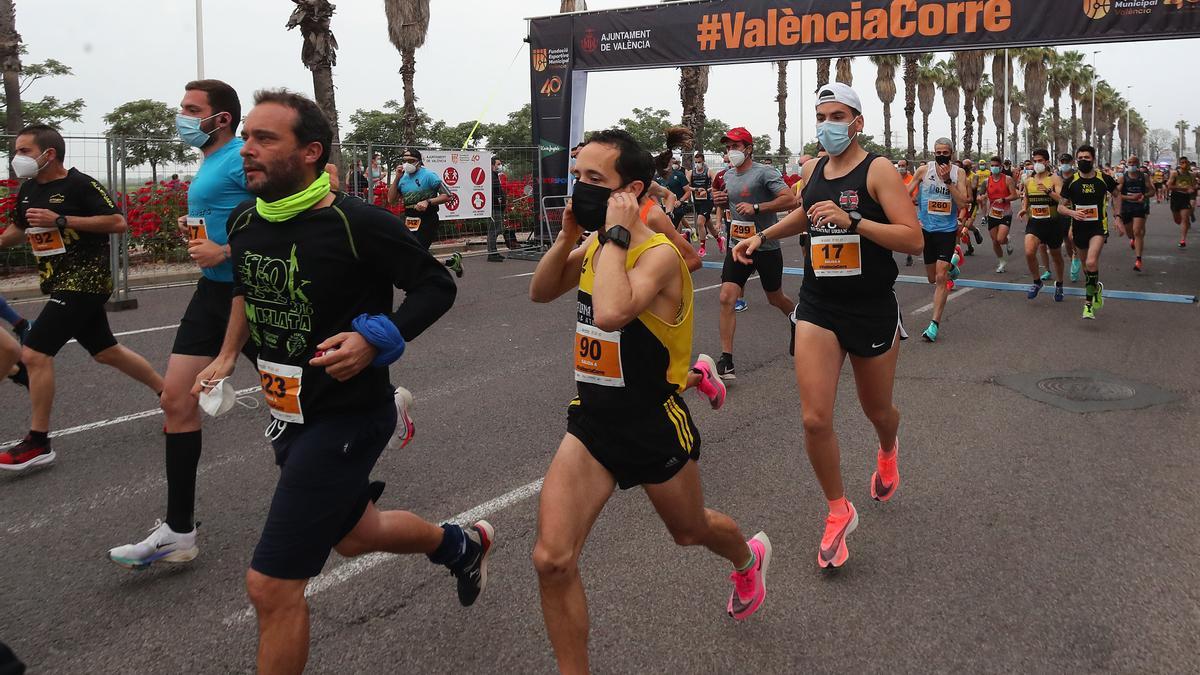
[(343, 573), (515, 276), (956, 294)]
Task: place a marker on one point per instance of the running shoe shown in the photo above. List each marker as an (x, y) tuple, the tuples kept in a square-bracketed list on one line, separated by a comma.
[(454, 262), (721, 244), (833, 551), (471, 572), (26, 455), (1001, 266), (1182, 244), (21, 377), (702, 251), (978, 235), (22, 328), (1098, 301), (1009, 249), (725, 368), (1076, 265), (405, 429), (931, 333), (1046, 275), (1132, 247), (908, 261), (163, 545), (740, 305), (1088, 312), (1034, 289), (950, 285), (886, 478), (710, 387), (495, 257), (955, 270), (970, 249), (750, 587), (1058, 292), (1137, 265)]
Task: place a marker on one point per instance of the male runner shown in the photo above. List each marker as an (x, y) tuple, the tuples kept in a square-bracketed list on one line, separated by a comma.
[(1160, 184), (942, 191), (1085, 202), (421, 191), (628, 425), (675, 180), (997, 192), (1133, 192), (700, 182), (66, 217), (723, 217), (1182, 188), (314, 272), (753, 193), (1042, 229), (1066, 171)]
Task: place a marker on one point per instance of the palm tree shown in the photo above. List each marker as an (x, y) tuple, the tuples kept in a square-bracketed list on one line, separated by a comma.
[(781, 101), (823, 72), (1104, 94), (1058, 80), (1016, 102), (1182, 127), (910, 103), (968, 66), (982, 94), (693, 87), (1085, 116), (408, 24), (951, 96), (319, 54), (844, 74), (885, 86), (927, 83), (1036, 61), (1195, 130), (10, 61), (1077, 76), (1001, 79), (575, 6)]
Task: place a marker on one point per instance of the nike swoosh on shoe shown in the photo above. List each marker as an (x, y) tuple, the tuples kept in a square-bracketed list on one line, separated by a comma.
[(828, 554)]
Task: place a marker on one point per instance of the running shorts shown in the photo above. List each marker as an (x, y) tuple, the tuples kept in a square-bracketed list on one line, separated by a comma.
[(1131, 211), (202, 328), (768, 264), (1049, 231), (1180, 201), (704, 209), (939, 246), (866, 328), (638, 448), (72, 315), (993, 223), (323, 489), (1082, 233)]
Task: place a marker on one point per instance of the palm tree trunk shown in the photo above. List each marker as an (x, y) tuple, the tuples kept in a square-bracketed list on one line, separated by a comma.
[(954, 132), (693, 86), (781, 98), (887, 128), (1054, 135), (10, 61), (910, 103), (968, 120), (324, 94), (925, 134), (1074, 125), (408, 68), (823, 72)]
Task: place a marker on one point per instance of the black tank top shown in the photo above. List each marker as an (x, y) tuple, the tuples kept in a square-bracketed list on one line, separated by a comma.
[(701, 185), (1134, 183), (878, 267)]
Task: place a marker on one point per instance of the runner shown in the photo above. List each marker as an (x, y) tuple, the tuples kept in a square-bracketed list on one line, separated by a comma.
[(857, 212), (324, 334), (700, 181), (20, 324), (967, 212), (997, 194), (1087, 195), (942, 189), (753, 193), (1042, 229), (628, 425), (722, 215), (1160, 184), (1066, 171), (421, 191), (66, 217), (1133, 193), (675, 180), (1182, 187)]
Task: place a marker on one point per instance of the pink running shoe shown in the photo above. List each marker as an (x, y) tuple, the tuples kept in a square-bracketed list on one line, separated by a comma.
[(886, 478), (710, 387), (721, 244), (701, 251), (750, 587), (833, 551), (405, 429)]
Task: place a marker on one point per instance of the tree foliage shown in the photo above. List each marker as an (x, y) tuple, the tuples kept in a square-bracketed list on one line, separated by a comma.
[(48, 110), (142, 122)]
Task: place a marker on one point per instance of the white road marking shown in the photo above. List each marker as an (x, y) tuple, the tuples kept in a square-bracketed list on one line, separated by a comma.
[(516, 276), (140, 330), (343, 573), (956, 294)]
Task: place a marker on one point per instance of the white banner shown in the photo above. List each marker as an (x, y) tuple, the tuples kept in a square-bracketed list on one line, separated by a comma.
[(467, 175)]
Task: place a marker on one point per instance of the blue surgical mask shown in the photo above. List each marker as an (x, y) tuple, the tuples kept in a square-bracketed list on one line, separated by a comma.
[(834, 136), (189, 130), (995, 170), (1065, 168)]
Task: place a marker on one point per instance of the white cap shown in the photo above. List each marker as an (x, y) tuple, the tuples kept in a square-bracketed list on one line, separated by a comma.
[(837, 92)]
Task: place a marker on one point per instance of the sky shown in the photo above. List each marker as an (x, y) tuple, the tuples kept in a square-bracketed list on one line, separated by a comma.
[(474, 65)]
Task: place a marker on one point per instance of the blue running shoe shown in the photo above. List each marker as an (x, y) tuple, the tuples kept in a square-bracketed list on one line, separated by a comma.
[(1076, 266), (1034, 289), (1058, 292), (1046, 275), (931, 333), (740, 305)]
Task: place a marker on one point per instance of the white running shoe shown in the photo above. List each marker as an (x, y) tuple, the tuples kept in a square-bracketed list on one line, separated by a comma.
[(163, 545), (405, 429), (1001, 266)]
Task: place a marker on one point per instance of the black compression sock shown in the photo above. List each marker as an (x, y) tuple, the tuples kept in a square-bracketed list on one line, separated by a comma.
[(727, 355), (39, 436), (183, 456)]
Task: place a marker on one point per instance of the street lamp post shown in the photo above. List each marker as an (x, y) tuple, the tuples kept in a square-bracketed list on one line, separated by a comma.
[(199, 39), (1128, 146)]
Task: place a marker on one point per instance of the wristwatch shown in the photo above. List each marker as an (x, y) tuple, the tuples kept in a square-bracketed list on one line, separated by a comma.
[(855, 219), (756, 211), (61, 221), (617, 235), (763, 236)]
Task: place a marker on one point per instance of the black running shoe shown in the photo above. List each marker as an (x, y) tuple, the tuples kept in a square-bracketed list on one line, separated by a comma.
[(21, 377), (978, 235), (725, 368), (472, 572)]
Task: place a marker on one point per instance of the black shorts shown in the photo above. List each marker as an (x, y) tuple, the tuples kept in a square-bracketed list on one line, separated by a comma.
[(768, 264), (939, 246), (1180, 201), (638, 448), (865, 328), (1049, 231), (202, 328), (1082, 233), (678, 214), (72, 315), (703, 209), (1128, 213), (323, 489), (993, 223)]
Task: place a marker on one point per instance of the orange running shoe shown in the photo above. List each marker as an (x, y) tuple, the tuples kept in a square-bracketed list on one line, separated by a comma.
[(833, 551), (886, 478)]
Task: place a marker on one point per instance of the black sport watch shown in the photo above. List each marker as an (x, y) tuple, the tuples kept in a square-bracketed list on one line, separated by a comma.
[(855, 219), (617, 235), (61, 221)]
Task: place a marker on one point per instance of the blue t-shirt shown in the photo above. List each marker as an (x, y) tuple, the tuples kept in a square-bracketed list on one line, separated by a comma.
[(219, 186), (420, 185)]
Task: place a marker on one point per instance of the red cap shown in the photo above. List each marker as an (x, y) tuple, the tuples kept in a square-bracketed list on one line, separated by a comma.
[(738, 134)]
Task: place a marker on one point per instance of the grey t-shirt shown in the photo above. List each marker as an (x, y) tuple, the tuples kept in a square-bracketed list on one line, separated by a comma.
[(757, 185)]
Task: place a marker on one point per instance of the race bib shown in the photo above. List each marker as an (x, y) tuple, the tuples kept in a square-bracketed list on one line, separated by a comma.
[(413, 224), (281, 389), (940, 207), (1089, 213), (1040, 212), (196, 228), (45, 241), (741, 229), (598, 356), (836, 256), (700, 194), (996, 213)]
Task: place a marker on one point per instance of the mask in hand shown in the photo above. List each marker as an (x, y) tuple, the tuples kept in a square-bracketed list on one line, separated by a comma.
[(219, 399)]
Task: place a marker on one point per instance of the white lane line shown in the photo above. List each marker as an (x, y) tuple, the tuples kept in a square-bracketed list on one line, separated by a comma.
[(517, 276), (140, 330), (956, 294), (345, 572), (110, 422)]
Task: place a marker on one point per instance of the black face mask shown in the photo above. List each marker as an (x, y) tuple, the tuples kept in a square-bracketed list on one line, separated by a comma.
[(942, 159), (589, 203), (1086, 165)]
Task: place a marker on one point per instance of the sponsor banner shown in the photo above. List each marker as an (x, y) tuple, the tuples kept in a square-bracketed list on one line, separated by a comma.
[(550, 64), (467, 175), (729, 31)]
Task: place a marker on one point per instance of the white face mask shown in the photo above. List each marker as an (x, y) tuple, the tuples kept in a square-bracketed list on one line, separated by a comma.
[(1039, 168), (736, 158), (410, 168), (219, 399), (25, 166)]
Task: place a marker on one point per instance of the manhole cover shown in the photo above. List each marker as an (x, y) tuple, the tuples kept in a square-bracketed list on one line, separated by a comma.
[(1086, 389)]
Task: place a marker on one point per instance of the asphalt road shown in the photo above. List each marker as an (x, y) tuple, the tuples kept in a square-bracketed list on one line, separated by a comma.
[(1024, 538)]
